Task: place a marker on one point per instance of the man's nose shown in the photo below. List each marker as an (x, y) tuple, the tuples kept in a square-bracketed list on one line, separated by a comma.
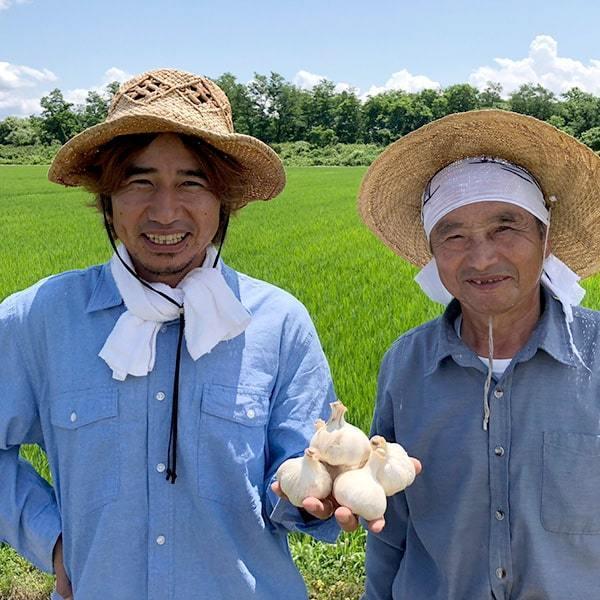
[(165, 205), (482, 254)]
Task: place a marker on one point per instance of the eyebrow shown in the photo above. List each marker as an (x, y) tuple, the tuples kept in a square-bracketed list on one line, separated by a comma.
[(448, 227), (139, 170)]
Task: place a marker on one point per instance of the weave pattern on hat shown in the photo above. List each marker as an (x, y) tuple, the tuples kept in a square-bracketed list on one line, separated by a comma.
[(173, 101), (171, 94)]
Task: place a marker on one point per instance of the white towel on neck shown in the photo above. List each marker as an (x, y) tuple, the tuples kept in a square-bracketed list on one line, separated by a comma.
[(212, 314)]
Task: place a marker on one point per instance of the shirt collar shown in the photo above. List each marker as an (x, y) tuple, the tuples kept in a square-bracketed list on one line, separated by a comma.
[(106, 294), (550, 334)]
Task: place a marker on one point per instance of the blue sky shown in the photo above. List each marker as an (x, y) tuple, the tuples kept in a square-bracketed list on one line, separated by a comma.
[(76, 45)]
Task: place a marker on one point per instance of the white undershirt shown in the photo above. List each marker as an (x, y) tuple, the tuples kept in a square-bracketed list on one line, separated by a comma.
[(500, 364)]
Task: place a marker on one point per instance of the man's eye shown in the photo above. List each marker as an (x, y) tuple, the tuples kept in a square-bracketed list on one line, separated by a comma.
[(503, 228), (454, 237), (194, 183), (141, 182)]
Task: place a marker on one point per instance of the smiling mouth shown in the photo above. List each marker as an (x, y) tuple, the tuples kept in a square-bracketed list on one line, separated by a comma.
[(166, 240), (487, 281)]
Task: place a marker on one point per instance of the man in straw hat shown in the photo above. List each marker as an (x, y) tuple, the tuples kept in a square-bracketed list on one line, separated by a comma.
[(165, 387), (499, 397)]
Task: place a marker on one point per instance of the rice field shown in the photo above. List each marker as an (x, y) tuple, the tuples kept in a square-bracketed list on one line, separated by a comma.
[(309, 241)]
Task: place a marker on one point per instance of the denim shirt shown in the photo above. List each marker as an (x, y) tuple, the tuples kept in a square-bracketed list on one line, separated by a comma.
[(512, 512), (219, 531)]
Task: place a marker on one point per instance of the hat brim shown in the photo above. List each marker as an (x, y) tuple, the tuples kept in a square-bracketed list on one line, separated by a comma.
[(263, 175), (389, 199)]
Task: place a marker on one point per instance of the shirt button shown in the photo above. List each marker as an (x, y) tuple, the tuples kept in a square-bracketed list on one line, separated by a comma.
[(498, 393), (499, 451), (73, 417), (160, 396), (163, 329), (160, 467), (499, 515), (250, 413), (500, 573), (160, 540)]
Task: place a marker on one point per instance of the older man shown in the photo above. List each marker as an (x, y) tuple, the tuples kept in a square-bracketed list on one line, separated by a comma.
[(165, 387), (499, 397)]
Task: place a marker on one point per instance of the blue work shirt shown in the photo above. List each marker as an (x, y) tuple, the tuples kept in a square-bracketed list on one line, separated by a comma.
[(512, 512), (218, 532)]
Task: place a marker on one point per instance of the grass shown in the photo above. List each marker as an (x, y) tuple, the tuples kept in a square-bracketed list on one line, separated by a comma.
[(309, 241)]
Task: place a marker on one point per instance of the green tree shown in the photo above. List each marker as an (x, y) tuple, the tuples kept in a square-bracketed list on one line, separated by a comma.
[(59, 122), (580, 110), (94, 110), (15, 131), (591, 138), (491, 96), (533, 100), (347, 117), (461, 98)]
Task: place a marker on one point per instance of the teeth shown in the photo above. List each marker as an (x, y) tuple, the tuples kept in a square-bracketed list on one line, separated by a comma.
[(170, 239), (480, 281)]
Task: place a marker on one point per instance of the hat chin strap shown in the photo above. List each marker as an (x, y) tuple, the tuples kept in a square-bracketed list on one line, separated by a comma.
[(172, 448)]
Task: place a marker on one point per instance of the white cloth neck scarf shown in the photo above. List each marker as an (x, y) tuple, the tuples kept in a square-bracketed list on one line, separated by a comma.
[(212, 314)]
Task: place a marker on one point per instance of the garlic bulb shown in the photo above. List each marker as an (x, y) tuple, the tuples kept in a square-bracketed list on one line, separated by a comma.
[(304, 476), (340, 443), (395, 470), (359, 491)]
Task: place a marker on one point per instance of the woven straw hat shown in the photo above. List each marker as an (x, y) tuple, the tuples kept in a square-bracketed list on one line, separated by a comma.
[(168, 100), (389, 200)]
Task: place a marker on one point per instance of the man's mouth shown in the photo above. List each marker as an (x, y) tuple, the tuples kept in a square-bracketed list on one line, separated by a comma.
[(486, 282), (166, 240)]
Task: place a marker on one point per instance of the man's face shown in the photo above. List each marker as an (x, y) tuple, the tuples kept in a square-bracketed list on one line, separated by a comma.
[(489, 256), (164, 212)]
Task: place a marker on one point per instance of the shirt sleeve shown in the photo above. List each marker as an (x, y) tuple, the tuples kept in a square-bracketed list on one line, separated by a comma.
[(385, 550), (301, 396), (29, 516)]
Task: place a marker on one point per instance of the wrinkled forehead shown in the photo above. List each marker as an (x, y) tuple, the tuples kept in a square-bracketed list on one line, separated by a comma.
[(480, 214)]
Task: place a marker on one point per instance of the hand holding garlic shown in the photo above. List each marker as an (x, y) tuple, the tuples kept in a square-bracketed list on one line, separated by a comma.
[(360, 472)]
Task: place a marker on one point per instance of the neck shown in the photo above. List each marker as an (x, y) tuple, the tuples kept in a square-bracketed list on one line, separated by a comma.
[(511, 329)]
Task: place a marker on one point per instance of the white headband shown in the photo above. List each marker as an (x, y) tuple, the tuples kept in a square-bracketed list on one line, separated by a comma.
[(480, 179), (484, 179)]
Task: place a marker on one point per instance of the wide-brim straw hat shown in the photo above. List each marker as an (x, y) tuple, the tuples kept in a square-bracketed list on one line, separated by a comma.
[(389, 200), (169, 100)]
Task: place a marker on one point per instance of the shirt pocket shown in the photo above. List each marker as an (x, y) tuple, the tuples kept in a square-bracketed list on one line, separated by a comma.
[(85, 426), (231, 445), (571, 482)]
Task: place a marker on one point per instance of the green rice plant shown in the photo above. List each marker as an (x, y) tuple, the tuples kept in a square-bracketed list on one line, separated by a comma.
[(309, 241)]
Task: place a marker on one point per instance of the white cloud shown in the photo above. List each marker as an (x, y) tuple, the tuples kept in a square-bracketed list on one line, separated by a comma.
[(19, 76), (6, 4), (306, 80), (543, 66), (78, 95), (403, 80), (22, 87)]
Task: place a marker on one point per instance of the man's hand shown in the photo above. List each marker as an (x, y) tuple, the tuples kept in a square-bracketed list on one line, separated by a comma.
[(347, 520), (63, 585)]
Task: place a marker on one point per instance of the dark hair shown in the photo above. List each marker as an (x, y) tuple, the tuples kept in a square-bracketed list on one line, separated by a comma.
[(224, 174)]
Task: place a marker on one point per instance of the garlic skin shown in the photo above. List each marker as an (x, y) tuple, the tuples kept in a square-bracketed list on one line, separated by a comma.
[(339, 443), (395, 470), (304, 476), (359, 491)]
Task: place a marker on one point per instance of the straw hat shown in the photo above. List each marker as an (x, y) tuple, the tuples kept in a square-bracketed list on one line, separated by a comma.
[(168, 100), (389, 200)]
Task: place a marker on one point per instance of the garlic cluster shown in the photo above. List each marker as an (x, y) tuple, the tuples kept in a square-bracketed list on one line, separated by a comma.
[(340, 458)]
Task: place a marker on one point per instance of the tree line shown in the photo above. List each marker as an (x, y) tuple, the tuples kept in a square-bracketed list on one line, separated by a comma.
[(277, 111)]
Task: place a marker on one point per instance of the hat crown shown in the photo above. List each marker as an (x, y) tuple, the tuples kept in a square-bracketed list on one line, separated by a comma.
[(169, 93)]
